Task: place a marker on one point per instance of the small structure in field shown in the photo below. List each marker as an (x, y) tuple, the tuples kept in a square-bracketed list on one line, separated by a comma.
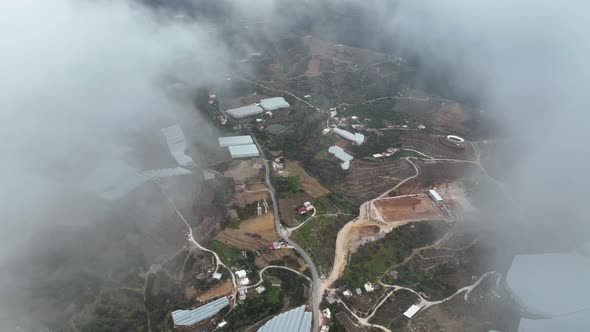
[(435, 196), (412, 311)]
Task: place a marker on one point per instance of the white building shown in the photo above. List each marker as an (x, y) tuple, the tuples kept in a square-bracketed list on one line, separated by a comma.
[(243, 151), (356, 138), (369, 287), (216, 276), (435, 196), (339, 153), (235, 140), (241, 274), (275, 103), (412, 311), (260, 289), (244, 111)]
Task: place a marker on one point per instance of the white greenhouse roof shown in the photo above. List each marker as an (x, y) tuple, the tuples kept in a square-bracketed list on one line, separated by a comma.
[(339, 153), (435, 195), (412, 311), (271, 104), (191, 317), (235, 140), (355, 138), (177, 145), (295, 320), (244, 111), (243, 151), (113, 180)]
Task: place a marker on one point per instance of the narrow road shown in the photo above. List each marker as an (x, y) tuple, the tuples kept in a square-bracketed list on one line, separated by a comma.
[(315, 298), (281, 91), (192, 239), (260, 272)]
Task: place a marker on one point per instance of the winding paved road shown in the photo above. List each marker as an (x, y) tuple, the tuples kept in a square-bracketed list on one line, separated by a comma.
[(260, 272), (316, 299)]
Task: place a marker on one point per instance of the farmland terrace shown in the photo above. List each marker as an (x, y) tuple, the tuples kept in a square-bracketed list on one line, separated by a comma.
[(368, 179)]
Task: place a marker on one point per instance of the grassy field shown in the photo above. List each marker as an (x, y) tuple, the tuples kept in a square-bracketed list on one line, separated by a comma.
[(227, 254), (375, 258), (318, 237)]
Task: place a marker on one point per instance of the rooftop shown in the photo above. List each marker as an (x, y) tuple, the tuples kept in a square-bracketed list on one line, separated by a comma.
[(271, 104), (244, 111), (295, 320), (412, 311), (243, 151), (235, 140), (194, 316), (435, 195), (339, 153), (355, 138)]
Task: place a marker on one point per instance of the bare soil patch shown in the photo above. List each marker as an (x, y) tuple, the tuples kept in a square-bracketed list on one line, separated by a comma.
[(437, 174), (313, 67), (253, 234), (309, 183), (415, 207), (243, 170), (244, 198), (219, 290)]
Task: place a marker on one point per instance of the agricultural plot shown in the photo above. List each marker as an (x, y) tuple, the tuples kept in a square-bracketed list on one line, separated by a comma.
[(348, 323), (487, 308), (251, 234), (432, 145), (310, 184), (369, 179), (392, 310), (435, 174), (374, 258), (318, 237), (284, 257), (405, 208)]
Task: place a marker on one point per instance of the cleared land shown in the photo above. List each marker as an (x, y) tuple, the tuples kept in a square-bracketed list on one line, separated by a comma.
[(252, 234), (221, 289), (368, 179), (413, 207), (243, 170), (313, 67), (309, 183), (244, 198)]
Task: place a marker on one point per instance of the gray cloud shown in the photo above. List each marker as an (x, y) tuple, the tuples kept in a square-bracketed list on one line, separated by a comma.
[(79, 80)]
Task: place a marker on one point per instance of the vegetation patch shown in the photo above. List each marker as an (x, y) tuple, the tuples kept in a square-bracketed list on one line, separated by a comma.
[(288, 185), (318, 237), (375, 258)]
